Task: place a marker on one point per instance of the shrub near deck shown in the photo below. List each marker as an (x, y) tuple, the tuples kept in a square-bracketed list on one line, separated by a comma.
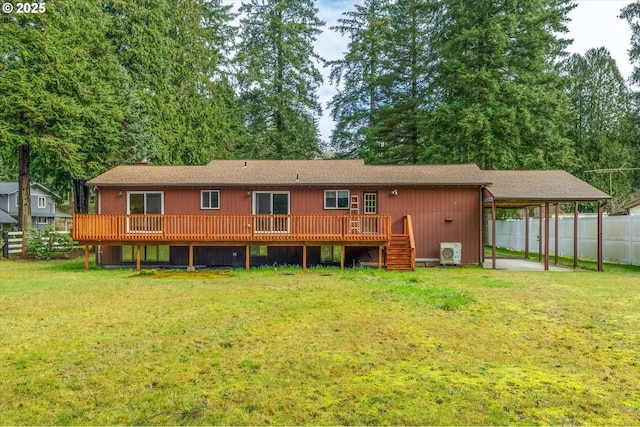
[(438, 346)]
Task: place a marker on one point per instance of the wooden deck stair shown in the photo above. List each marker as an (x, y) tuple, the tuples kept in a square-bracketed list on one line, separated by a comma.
[(400, 256)]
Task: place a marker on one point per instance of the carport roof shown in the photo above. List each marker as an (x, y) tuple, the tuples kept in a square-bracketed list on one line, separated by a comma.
[(528, 187)]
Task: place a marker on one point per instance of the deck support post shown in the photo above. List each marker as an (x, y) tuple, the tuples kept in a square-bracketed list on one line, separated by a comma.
[(191, 267), (547, 214), (137, 257), (557, 231), (86, 257), (380, 257), (575, 235), (304, 257), (526, 233), (247, 257), (342, 257)]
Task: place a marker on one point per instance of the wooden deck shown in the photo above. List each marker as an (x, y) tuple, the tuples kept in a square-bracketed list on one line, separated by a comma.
[(195, 230), (97, 229)]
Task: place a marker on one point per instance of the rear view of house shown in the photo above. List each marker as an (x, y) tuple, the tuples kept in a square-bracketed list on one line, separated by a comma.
[(303, 212)]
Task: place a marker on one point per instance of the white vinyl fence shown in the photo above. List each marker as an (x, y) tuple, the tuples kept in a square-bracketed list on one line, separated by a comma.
[(620, 243)]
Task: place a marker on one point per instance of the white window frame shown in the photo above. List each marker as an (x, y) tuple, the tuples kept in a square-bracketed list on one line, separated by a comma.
[(44, 202), (254, 210), (40, 221), (146, 192), (209, 191), (337, 198), (370, 204), (130, 228)]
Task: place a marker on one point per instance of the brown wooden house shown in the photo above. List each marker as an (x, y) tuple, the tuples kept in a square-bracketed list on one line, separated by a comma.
[(243, 213), (272, 212)]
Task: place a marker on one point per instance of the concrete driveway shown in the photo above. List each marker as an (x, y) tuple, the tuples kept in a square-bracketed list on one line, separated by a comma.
[(522, 264)]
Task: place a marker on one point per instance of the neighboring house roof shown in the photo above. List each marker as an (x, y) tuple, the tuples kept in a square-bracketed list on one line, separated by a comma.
[(540, 186), (12, 187), (290, 173), (5, 218), (8, 187)]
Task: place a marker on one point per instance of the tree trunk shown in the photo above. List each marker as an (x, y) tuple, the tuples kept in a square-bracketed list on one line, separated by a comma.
[(80, 196), (24, 187)]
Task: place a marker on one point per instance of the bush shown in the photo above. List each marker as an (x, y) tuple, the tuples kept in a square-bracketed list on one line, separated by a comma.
[(42, 243)]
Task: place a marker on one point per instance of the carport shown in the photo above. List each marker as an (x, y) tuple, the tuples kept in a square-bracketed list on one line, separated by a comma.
[(546, 190)]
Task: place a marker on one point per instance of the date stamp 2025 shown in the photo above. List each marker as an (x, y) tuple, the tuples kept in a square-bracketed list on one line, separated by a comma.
[(22, 8)]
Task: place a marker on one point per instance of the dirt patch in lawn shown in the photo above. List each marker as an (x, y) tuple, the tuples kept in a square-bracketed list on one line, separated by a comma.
[(181, 274)]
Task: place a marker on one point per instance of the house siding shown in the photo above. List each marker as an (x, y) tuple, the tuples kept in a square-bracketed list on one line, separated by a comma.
[(429, 206), (8, 202)]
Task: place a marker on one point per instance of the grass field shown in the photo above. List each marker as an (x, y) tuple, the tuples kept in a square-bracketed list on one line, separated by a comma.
[(437, 346)]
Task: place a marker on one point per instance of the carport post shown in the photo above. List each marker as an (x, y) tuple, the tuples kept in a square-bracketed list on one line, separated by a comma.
[(546, 235), (493, 233), (557, 222), (600, 268), (540, 235), (575, 235), (526, 232)]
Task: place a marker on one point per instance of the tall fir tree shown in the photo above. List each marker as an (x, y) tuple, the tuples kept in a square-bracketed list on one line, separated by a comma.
[(65, 105), (603, 123), (175, 52), (501, 102), (408, 72), (359, 77), (277, 78)]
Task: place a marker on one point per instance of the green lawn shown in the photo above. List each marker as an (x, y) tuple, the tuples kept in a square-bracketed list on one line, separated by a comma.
[(440, 346)]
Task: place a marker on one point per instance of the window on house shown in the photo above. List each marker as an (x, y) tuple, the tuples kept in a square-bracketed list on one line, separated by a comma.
[(330, 254), (336, 199), (42, 202), (258, 250), (147, 253), (145, 203), (210, 199), (42, 220)]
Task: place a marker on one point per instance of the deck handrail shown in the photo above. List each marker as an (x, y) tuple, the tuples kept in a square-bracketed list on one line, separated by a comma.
[(408, 230), (220, 227)]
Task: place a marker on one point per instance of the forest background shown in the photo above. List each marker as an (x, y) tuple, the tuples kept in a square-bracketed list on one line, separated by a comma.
[(87, 85)]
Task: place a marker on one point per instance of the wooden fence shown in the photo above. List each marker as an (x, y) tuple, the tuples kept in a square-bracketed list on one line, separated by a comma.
[(15, 242)]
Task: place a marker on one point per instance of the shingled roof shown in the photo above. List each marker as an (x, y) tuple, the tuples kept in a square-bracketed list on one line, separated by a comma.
[(290, 173), (504, 186), (540, 186), (5, 218)]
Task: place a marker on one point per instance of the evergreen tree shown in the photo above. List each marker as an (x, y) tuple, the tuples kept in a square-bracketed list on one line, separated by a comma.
[(64, 98), (602, 129), (175, 52), (631, 13), (359, 76), (277, 78), (408, 68), (501, 102)]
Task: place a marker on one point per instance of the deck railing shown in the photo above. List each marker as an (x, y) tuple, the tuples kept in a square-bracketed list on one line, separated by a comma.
[(224, 228)]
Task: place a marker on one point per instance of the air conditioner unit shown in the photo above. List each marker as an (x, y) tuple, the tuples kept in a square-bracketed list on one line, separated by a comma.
[(450, 253)]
